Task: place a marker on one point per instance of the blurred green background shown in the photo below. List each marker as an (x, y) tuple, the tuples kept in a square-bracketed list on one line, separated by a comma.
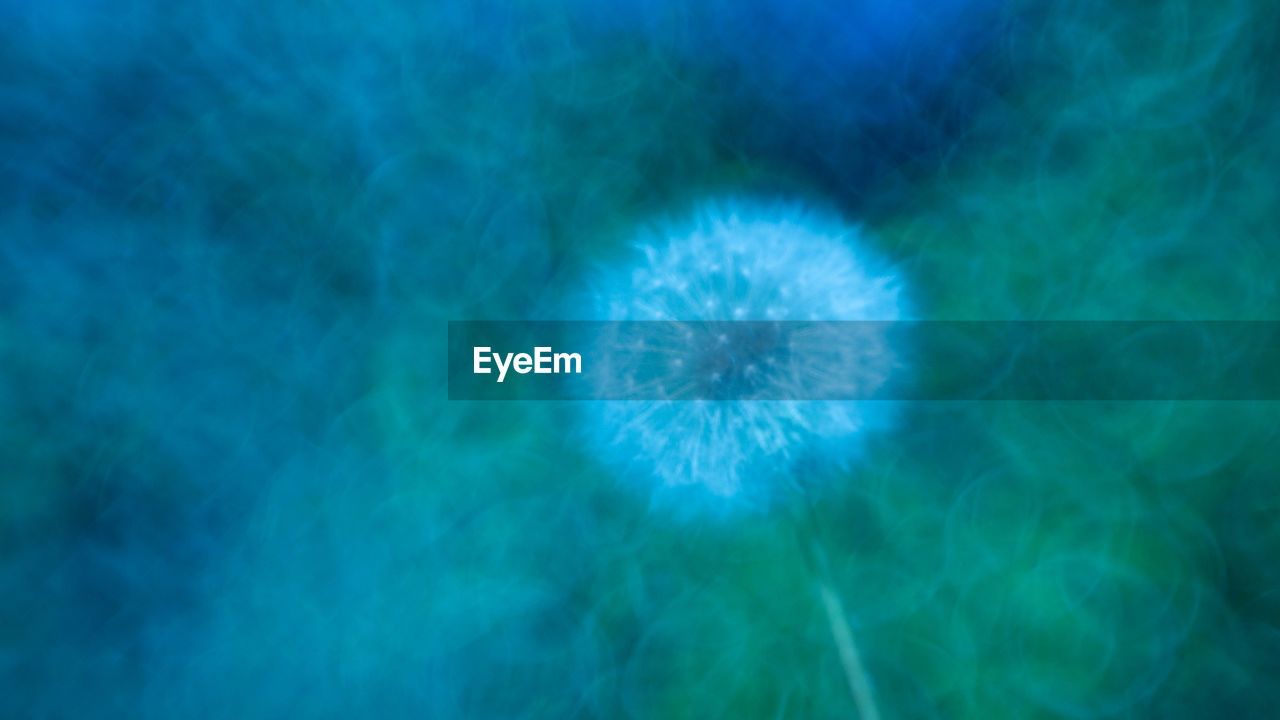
[(232, 234)]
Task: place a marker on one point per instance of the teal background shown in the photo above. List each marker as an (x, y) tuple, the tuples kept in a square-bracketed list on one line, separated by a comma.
[(231, 235)]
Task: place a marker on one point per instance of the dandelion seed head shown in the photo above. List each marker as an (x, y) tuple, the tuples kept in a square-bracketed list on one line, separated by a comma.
[(740, 260)]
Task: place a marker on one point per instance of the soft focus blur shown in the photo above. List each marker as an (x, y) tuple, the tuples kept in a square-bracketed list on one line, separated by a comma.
[(231, 235)]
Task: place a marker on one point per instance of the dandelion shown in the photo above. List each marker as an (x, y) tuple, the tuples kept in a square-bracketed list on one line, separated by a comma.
[(745, 261), (742, 261)]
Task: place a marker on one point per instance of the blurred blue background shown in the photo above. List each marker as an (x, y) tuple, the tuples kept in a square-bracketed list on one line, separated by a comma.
[(231, 235)]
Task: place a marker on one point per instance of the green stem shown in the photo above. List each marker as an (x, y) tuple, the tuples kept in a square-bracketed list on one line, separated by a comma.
[(841, 632)]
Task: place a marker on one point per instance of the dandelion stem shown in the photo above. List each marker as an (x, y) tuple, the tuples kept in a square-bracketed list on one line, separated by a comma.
[(859, 684), (841, 632)]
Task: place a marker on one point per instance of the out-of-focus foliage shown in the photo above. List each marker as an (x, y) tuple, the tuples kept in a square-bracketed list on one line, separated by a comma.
[(231, 234)]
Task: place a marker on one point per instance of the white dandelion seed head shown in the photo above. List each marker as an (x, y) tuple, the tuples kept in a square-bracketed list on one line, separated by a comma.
[(741, 260)]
